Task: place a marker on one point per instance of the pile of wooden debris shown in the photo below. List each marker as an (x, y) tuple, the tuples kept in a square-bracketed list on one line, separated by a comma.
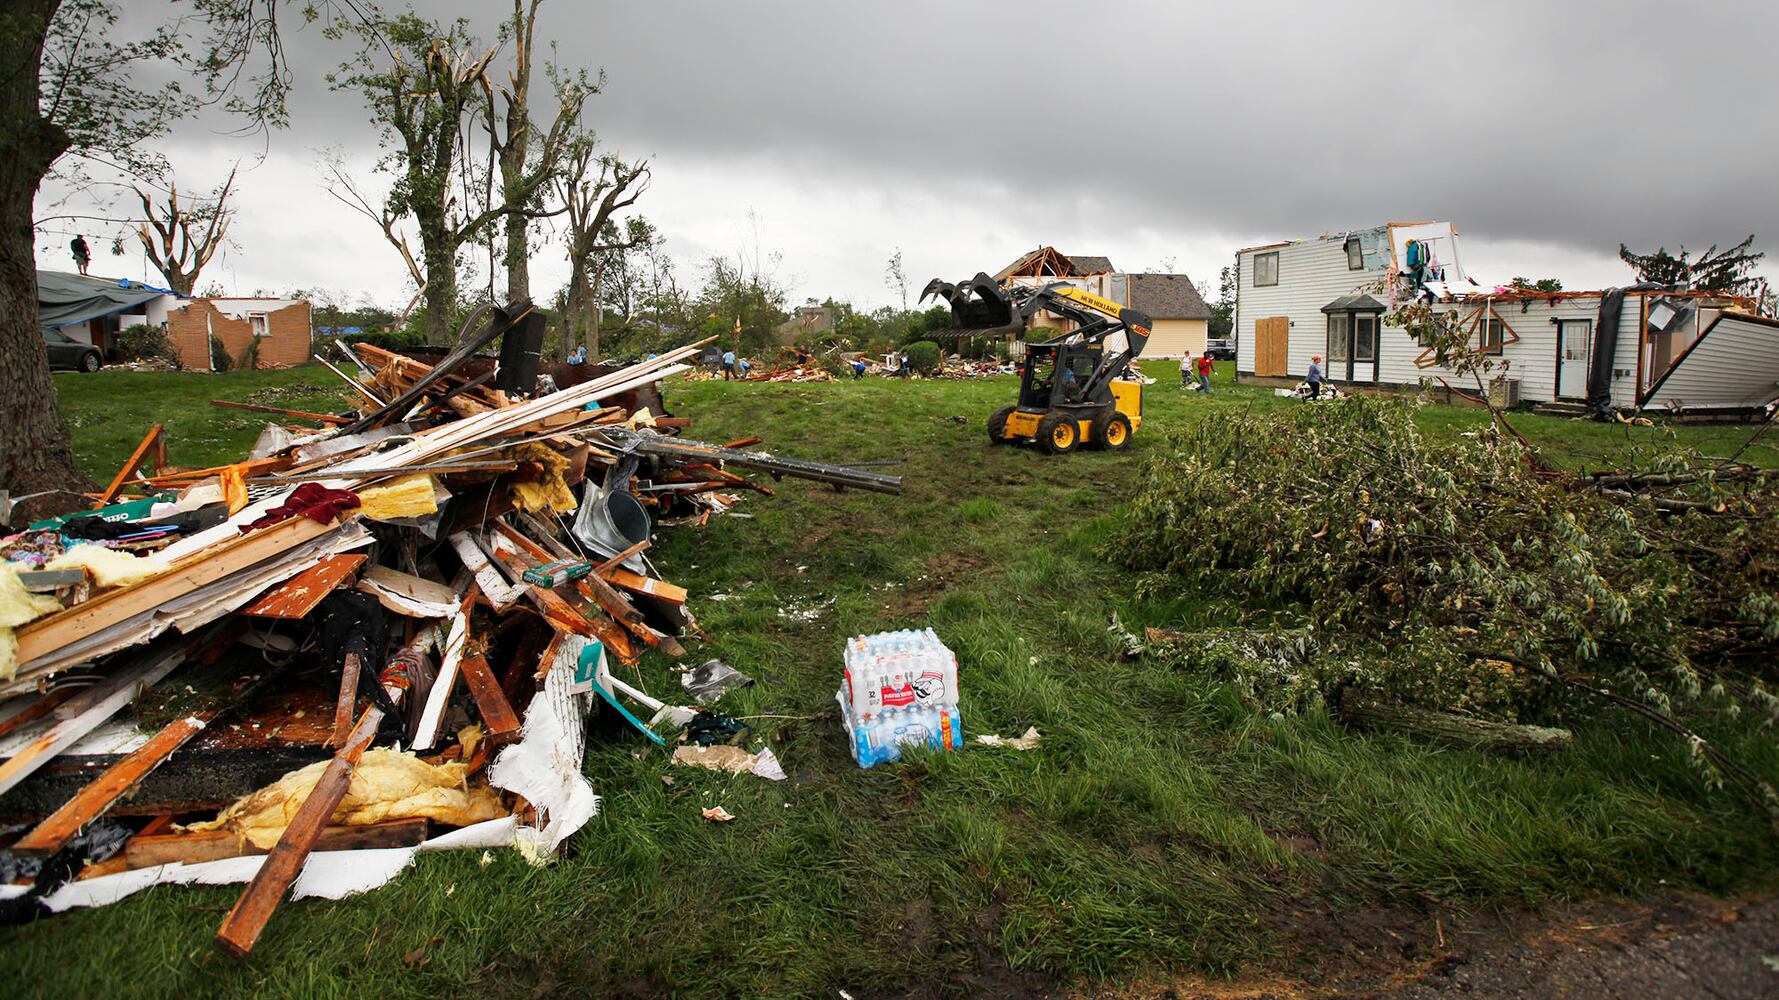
[(383, 633)]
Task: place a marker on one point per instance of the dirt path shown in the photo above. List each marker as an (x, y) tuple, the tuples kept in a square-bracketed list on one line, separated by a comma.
[(1686, 946)]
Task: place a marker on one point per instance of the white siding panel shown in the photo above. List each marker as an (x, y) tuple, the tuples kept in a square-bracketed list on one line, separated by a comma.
[(1312, 273), (1174, 338), (1735, 365), (1532, 359)]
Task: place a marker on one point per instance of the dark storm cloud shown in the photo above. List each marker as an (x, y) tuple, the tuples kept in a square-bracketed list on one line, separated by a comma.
[(1572, 125)]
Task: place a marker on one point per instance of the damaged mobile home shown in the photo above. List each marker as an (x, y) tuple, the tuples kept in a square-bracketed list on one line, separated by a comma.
[(1642, 347)]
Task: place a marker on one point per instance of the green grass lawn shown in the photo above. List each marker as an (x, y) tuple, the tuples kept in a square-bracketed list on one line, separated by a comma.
[(1161, 826)]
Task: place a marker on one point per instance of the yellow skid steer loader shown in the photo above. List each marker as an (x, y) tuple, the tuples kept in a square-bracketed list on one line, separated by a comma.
[(1069, 391)]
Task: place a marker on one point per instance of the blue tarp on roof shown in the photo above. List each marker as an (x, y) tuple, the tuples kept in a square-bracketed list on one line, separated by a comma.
[(64, 299)]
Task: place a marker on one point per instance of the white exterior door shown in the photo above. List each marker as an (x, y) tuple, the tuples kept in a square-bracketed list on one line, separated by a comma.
[(1575, 341)]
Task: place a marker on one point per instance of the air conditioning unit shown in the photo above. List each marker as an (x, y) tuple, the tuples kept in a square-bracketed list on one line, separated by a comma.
[(1504, 393)]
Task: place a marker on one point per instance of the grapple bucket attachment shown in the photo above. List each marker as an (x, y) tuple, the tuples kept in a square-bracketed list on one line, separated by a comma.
[(978, 305)]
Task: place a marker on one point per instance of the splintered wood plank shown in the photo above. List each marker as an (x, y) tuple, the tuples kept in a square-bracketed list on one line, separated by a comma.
[(150, 445), (325, 418), (488, 579), (299, 595), (497, 712), (636, 583), (426, 731), (86, 712), (48, 634), (147, 850), (241, 929), (347, 701), (99, 794), (37, 709)]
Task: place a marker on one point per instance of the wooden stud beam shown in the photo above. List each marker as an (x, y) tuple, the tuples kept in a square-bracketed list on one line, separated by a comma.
[(326, 418), (152, 444), (497, 713), (241, 929), (146, 850), (102, 792)]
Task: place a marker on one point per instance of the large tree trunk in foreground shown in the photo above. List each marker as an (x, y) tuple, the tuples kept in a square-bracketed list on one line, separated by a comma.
[(35, 453), (1367, 711)]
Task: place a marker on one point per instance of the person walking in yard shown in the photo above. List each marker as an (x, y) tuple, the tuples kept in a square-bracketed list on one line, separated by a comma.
[(1185, 371), (728, 365), (82, 255), (1315, 376), (1205, 367)]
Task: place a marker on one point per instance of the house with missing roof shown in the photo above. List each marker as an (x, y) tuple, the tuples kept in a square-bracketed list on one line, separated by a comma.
[(96, 311), (1637, 348), (1180, 314)]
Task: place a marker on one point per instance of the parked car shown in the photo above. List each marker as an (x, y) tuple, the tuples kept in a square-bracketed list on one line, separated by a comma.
[(68, 354), (1220, 349)]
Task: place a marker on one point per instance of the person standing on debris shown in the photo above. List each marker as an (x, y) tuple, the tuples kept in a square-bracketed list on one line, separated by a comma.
[(1185, 371), (82, 255), (728, 365), (1205, 367), (1315, 376)]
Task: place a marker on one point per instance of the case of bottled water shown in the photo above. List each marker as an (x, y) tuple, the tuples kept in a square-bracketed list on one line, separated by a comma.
[(899, 687)]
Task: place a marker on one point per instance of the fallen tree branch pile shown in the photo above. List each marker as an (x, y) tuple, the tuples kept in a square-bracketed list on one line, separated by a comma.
[(1454, 576)]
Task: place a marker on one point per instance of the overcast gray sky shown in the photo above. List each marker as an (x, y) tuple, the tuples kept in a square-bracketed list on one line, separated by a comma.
[(1152, 132)]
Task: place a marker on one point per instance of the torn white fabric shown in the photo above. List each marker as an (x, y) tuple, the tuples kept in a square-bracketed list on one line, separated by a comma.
[(327, 874)]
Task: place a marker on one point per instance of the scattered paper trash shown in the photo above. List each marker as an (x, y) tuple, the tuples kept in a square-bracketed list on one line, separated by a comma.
[(731, 759), (717, 814), (1027, 742), (711, 680)]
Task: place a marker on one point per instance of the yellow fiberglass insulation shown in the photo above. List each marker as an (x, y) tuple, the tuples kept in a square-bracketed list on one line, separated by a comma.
[(17, 606), (388, 784), (549, 493), (109, 567), (410, 496)]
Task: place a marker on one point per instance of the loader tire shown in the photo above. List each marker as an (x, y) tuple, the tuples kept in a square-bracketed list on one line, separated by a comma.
[(997, 425), (1058, 433), (1111, 431)]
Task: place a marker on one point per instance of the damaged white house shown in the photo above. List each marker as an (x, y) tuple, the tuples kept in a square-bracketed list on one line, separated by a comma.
[(1636, 348)]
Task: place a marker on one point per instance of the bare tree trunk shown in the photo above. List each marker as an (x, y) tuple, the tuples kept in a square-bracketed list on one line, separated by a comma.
[(513, 153), (35, 452), (593, 355), (518, 258), (440, 293)]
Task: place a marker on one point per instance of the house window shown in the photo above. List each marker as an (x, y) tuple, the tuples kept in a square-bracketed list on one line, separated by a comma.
[(1266, 269), (1355, 256), (1492, 332), (1578, 335), (1364, 338), (1338, 342)]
